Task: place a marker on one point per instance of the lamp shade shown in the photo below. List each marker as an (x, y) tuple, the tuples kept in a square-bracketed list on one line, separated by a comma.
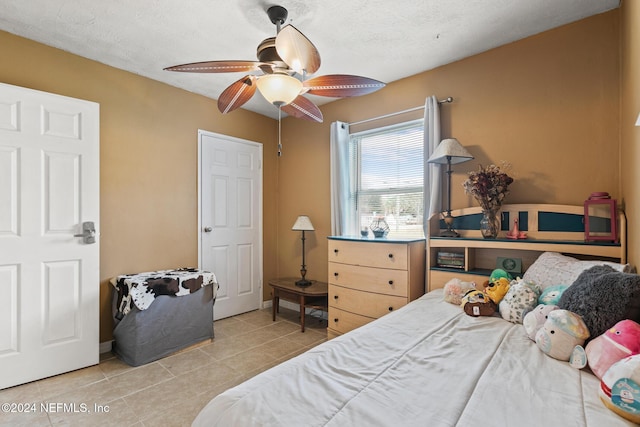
[(279, 89), (303, 223), (450, 148)]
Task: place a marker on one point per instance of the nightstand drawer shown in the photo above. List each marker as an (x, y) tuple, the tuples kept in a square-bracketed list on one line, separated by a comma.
[(377, 280), (380, 255), (343, 321), (364, 303)]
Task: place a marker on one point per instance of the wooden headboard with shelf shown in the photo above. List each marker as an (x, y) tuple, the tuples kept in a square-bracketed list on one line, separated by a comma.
[(556, 228)]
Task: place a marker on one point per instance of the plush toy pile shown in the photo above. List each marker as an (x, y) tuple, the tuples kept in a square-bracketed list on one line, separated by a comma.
[(594, 323)]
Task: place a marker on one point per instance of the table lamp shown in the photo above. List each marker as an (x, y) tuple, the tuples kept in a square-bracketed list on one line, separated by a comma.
[(303, 223), (449, 152)]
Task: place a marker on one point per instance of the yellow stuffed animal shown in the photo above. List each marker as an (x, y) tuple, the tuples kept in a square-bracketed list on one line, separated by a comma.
[(497, 289)]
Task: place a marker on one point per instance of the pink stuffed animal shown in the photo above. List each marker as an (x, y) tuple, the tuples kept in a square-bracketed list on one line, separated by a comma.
[(623, 340), (534, 319)]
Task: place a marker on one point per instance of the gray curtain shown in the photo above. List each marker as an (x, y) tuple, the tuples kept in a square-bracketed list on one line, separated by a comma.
[(343, 222), (432, 172)]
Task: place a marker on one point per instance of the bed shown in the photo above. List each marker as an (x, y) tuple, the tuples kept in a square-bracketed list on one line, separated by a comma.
[(428, 363)]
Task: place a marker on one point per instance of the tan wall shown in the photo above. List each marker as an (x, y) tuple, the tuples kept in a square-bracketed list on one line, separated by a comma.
[(148, 158), (630, 134), (548, 104)]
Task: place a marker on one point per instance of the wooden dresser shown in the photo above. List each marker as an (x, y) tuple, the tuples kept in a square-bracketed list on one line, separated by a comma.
[(368, 278)]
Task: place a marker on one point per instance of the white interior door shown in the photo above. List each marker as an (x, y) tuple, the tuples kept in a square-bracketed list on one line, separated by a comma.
[(49, 279), (230, 238)]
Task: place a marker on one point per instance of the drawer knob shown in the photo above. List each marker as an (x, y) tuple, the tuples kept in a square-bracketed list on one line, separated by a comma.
[(335, 274), (390, 255), (390, 308), (335, 297), (335, 320), (335, 251), (391, 282)]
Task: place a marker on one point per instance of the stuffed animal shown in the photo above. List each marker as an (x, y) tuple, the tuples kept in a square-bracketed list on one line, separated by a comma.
[(534, 320), (476, 303), (552, 294), (521, 298), (455, 289), (499, 273), (623, 340), (561, 332), (620, 388), (497, 289)]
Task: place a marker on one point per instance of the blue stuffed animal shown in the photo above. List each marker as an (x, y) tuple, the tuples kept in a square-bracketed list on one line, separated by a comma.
[(551, 295)]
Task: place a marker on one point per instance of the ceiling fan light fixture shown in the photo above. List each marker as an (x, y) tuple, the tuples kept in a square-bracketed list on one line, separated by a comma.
[(279, 89), (280, 58)]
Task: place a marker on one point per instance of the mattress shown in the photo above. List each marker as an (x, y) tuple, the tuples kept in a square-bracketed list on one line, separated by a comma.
[(427, 364)]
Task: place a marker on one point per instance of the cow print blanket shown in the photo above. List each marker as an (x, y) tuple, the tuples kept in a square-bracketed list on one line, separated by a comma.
[(142, 288)]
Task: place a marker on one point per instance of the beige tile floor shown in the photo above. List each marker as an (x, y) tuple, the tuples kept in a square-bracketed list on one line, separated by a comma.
[(170, 391)]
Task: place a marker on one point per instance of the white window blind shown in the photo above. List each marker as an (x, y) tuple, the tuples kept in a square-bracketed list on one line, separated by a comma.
[(388, 166)]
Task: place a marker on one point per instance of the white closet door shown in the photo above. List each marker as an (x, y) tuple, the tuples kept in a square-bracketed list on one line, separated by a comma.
[(231, 220)]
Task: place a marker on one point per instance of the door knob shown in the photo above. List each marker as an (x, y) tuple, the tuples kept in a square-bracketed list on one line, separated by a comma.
[(208, 229), (88, 232)]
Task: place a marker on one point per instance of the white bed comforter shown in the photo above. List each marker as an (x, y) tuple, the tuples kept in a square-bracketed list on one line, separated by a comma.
[(428, 364)]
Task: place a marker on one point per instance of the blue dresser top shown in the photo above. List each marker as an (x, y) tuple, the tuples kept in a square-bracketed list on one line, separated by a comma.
[(377, 239)]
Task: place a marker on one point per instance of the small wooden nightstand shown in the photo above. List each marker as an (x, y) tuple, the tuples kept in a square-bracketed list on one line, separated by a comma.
[(313, 296)]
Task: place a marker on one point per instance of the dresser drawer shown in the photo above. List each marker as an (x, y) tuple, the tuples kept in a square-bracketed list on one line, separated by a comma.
[(371, 254), (343, 321), (364, 303), (377, 280)]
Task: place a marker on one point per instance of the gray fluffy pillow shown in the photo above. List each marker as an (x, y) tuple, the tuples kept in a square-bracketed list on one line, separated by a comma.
[(603, 296)]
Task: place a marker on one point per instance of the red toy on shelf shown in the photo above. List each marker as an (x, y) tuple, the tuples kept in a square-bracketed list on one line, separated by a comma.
[(515, 233)]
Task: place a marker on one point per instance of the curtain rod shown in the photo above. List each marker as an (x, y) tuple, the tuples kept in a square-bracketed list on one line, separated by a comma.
[(421, 107)]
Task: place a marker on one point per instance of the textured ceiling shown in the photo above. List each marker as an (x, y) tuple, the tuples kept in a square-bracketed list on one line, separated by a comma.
[(383, 40)]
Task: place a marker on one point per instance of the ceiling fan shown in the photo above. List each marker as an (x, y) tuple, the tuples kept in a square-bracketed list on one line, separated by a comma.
[(285, 62)]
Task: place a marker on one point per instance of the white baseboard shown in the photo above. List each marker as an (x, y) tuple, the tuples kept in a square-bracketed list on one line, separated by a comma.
[(105, 347)]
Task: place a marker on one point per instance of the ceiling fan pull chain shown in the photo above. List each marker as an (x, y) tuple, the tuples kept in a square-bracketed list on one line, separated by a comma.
[(279, 131)]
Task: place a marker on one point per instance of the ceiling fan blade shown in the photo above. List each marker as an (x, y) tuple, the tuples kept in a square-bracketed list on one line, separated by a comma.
[(302, 108), (237, 94), (341, 85), (218, 67), (297, 50)]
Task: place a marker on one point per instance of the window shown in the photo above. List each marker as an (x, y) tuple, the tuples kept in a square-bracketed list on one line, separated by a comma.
[(388, 165)]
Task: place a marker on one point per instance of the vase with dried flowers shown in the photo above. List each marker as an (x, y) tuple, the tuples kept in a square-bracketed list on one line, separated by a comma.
[(489, 186)]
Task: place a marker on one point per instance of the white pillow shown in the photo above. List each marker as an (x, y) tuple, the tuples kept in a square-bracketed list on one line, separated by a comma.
[(552, 268)]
